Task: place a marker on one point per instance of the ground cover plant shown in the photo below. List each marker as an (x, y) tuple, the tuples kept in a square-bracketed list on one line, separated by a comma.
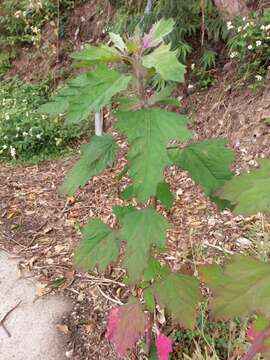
[(26, 135), (249, 45), (151, 133)]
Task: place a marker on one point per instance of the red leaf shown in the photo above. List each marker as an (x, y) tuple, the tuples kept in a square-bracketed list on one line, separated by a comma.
[(112, 323), (252, 335), (164, 346), (126, 325)]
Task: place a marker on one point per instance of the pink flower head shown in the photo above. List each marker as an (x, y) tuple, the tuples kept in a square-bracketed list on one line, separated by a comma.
[(164, 346)]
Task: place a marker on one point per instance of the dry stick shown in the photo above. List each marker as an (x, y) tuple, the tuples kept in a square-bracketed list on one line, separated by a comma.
[(2, 322)]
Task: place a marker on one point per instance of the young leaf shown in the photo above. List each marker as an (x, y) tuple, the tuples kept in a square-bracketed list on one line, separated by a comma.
[(142, 229), (121, 212), (127, 324), (93, 55), (149, 132), (162, 96), (249, 192), (241, 288), (158, 31), (95, 157), (127, 193), (164, 194), (164, 347), (128, 103), (179, 294), (118, 42), (87, 93), (99, 246), (153, 270), (166, 63), (207, 162)]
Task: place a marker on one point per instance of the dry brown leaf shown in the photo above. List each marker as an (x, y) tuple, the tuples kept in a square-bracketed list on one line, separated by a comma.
[(63, 328)]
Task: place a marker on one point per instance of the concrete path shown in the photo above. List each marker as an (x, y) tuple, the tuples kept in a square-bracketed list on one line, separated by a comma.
[(32, 325)]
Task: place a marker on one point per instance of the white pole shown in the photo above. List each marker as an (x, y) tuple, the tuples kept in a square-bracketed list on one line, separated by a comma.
[(148, 8), (99, 123)]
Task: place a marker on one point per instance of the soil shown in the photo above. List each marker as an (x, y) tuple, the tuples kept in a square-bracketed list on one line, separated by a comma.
[(86, 24)]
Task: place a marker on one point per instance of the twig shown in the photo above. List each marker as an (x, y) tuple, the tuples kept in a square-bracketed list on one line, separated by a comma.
[(206, 243), (90, 278), (118, 302), (2, 322)]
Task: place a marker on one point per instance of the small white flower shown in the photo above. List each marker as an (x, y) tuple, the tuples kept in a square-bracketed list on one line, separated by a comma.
[(267, 27), (4, 147), (190, 86), (233, 54), (239, 29), (38, 136), (262, 27), (258, 77), (258, 43), (250, 47), (25, 133), (229, 25), (12, 151), (7, 117), (192, 66)]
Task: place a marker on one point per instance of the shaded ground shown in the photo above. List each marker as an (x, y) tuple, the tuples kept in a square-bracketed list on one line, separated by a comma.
[(43, 227), (29, 330)]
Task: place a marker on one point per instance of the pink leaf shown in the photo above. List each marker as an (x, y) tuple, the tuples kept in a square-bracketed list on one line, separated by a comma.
[(126, 325), (257, 338), (112, 323), (164, 346)]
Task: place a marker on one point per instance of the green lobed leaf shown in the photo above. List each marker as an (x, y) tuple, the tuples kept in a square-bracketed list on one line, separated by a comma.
[(249, 193), (241, 288), (158, 31), (208, 163), (87, 93), (180, 295), (99, 246), (149, 132), (165, 63), (95, 158), (164, 194), (141, 229), (93, 55)]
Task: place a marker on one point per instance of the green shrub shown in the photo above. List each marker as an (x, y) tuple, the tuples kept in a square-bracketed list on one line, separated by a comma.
[(24, 133), (250, 45)]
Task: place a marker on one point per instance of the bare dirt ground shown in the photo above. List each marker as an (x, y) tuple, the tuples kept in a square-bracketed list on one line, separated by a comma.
[(41, 226), (29, 323)]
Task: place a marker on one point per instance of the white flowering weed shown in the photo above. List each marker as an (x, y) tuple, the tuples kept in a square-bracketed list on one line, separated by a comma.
[(250, 45), (24, 133)]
